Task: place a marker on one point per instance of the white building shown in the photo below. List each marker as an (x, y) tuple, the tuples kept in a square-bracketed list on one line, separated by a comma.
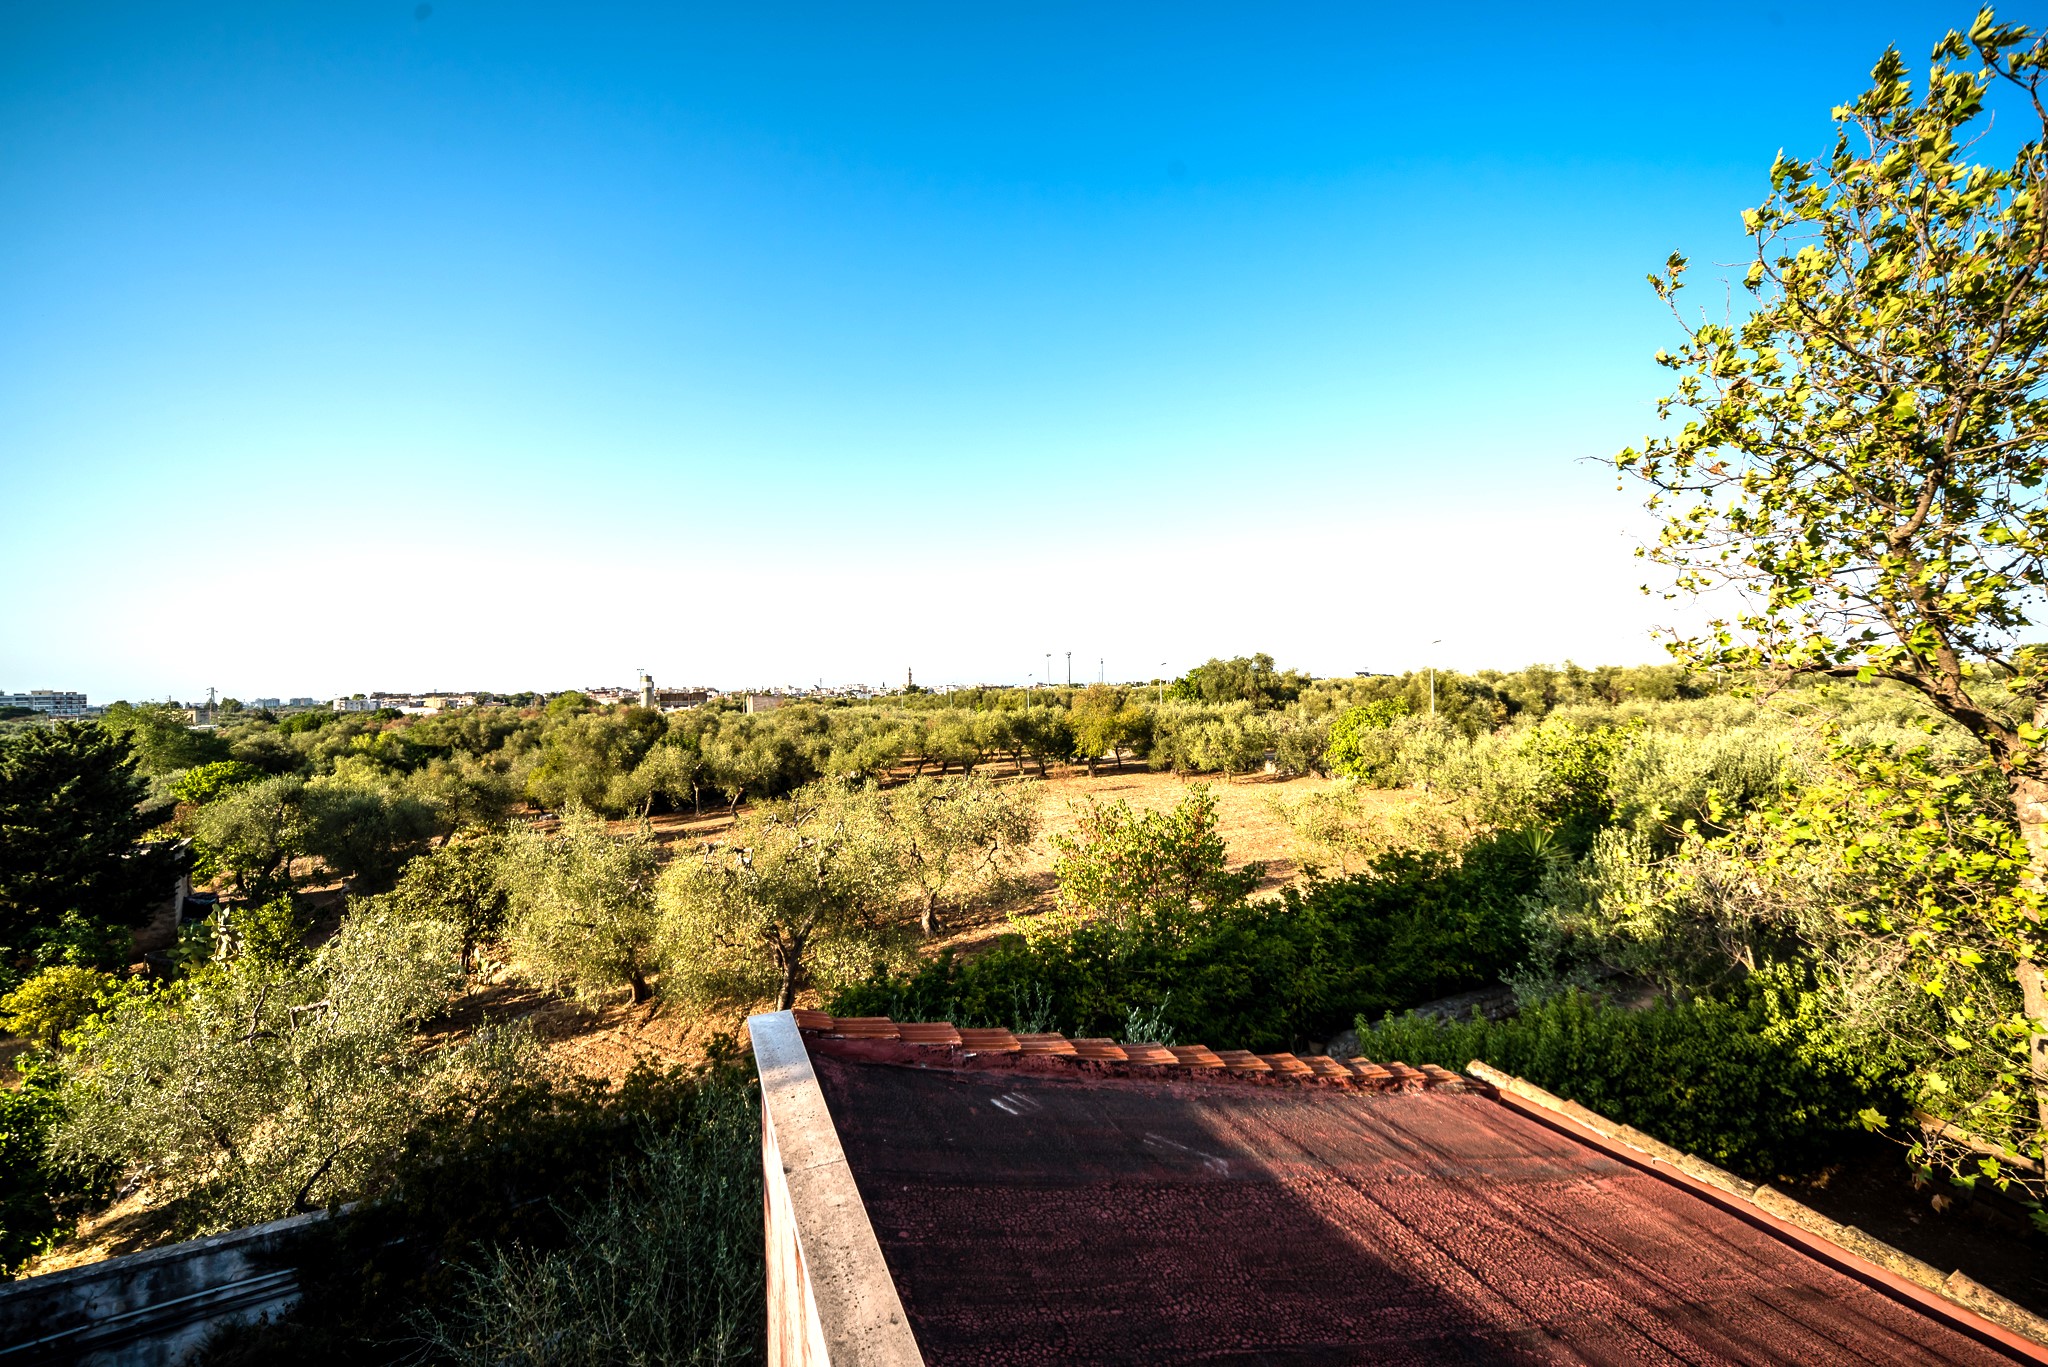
[(52, 702)]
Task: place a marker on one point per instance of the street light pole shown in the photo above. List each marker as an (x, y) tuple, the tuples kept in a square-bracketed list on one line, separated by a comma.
[(1070, 669)]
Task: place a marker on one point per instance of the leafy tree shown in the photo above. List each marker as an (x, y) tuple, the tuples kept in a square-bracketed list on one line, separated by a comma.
[(40, 1199), (1048, 736), (1867, 447), (804, 893), (251, 1091), (1252, 679), (362, 831), (570, 704), (254, 832), (583, 754), (464, 790), (269, 933), (583, 915), (1121, 863), (53, 1002), (203, 783), (1301, 742), (955, 835), (669, 770), (1105, 721), (71, 870), (1231, 744), (1357, 738), (461, 883), (162, 741)]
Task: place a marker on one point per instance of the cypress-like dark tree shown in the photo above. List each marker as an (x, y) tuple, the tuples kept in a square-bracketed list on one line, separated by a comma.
[(71, 867)]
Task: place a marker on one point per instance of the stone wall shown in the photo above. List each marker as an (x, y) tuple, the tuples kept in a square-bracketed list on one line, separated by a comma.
[(149, 1309)]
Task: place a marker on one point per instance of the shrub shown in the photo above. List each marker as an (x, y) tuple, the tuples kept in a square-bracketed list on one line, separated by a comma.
[(1359, 740), (1264, 975), (1759, 1083), (1123, 863), (488, 1204), (40, 1200), (54, 1002), (664, 1265)]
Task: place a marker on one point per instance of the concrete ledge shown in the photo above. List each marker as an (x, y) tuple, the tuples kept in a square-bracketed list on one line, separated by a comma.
[(1955, 1293), (148, 1309), (831, 1298)]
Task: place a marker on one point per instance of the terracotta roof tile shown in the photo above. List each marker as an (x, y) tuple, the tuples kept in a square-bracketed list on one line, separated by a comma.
[(864, 1027), (974, 1040), (1099, 1050), (1287, 1063), (936, 1032), (989, 1041)]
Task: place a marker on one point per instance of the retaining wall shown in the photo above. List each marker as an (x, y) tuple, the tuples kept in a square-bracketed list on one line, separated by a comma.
[(148, 1309)]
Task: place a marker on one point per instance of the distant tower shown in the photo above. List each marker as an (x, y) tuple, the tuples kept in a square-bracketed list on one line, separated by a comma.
[(646, 689), (909, 679)]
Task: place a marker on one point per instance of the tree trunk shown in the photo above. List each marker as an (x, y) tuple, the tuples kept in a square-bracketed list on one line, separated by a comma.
[(2030, 801), (642, 992), (785, 996), (930, 920), (1091, 766)]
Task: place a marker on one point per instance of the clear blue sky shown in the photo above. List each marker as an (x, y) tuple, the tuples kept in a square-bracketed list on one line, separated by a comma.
[(367, 345)]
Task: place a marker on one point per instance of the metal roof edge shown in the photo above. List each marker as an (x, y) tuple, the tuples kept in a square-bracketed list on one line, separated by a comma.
[(852, 1293), (1970, 1306)]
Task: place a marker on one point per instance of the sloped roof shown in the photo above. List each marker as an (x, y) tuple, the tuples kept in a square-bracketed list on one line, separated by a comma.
[(1036, 1199)]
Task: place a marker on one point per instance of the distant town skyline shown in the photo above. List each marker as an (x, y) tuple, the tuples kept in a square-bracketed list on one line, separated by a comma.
[(484, 343)]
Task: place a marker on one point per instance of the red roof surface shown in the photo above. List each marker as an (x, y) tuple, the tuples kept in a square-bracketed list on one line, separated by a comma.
[(1041, 1207)]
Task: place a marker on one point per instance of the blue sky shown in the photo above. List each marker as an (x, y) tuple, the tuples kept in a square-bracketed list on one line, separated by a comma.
[(373, 345)]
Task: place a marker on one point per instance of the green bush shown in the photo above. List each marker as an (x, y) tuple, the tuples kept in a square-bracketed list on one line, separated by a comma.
[(505, 1199), (1759, 1084), (53, 1002), (40, 1201), (1265, 975), (664, 1265)]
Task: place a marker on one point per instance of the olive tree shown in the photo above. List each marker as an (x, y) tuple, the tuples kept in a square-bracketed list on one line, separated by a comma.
[(808, 891), (1865, 446), (253, 833), (583, 916), (254, 1089), (954, 836)]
